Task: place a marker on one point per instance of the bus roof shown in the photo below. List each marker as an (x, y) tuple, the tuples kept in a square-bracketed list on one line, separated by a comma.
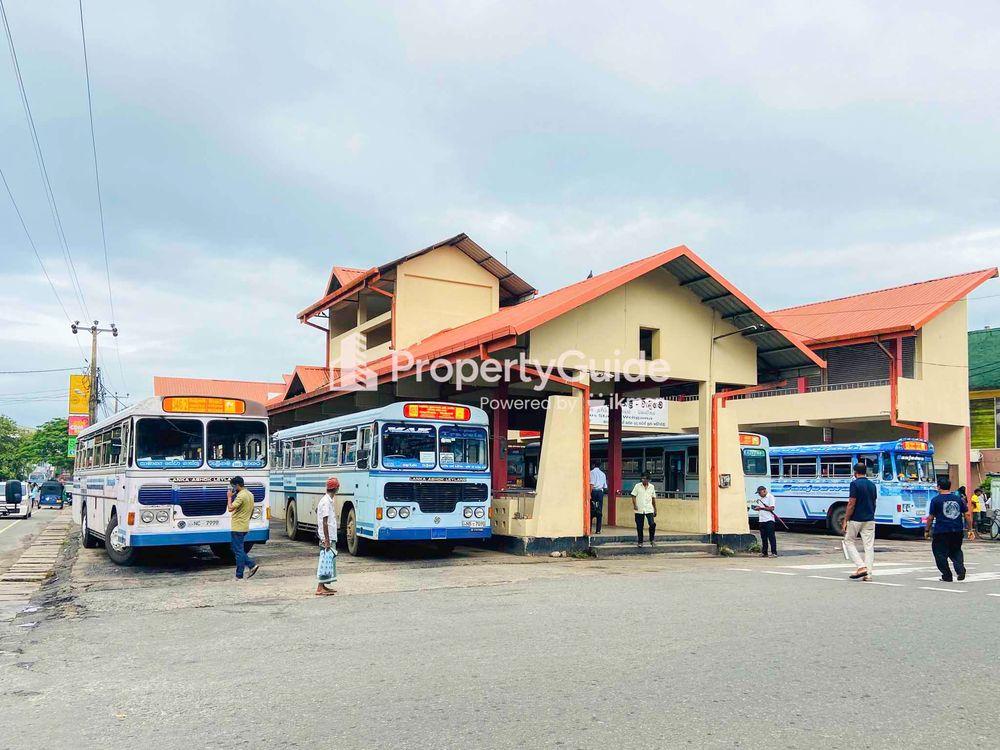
[(153, 407), (393, 411), (910, 445)]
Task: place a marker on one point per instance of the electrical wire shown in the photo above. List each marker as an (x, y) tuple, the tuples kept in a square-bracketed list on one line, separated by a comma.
[(33, 372), (40, 159)]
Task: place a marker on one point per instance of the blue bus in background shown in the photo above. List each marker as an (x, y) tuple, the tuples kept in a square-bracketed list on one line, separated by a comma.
[(810, 483)]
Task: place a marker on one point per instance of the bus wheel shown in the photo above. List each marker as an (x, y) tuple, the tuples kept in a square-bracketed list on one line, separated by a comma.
[(835, 520), (120, 555), (292, 530), (87, 539), (356, 545)]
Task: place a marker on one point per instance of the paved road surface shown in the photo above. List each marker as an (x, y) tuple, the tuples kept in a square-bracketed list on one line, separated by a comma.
[(648, 652)]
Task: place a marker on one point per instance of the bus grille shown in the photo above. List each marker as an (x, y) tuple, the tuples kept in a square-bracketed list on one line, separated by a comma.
[(194, 501), (434, 497)]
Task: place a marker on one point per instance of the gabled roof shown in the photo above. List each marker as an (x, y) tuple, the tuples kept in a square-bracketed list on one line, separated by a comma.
[(776, 350), (305, 379), (894, 310), (984, 359), (251, 390), (347, 281)]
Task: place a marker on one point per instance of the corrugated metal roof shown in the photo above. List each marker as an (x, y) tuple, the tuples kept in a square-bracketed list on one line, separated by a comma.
[(250, 390), (894, 310), (693, 273), (984, 359)]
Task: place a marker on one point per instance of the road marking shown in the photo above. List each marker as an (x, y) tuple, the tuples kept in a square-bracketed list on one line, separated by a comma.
[(993, 595), (886, 583), (15, 523), (829, 578), (880, 571), (831, 566), (779, 573), (742, 570), (973, 577), (936, 588)]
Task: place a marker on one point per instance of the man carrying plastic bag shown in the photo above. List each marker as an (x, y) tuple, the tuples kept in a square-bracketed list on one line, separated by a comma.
[(326, 530)]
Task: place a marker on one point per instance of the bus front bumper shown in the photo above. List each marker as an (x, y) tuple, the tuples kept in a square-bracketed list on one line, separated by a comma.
[(181, 538), (432, 534)]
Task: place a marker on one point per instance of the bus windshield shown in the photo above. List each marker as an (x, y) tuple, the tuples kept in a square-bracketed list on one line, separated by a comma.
[(911, 468), (755, 462), (166, 443), (237, 443), (408, 446), (463, 447)]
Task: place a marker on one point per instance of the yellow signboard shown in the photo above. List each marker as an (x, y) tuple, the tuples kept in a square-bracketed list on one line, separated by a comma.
[(79, 394), (204, 405)]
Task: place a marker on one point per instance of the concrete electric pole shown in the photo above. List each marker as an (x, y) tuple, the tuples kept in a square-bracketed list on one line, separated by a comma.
[(94, 386)]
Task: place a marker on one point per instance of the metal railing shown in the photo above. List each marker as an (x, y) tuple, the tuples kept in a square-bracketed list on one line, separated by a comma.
[(815, 388)]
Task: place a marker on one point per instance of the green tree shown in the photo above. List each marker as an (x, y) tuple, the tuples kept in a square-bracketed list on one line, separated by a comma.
[(13, 462), (48, 444)]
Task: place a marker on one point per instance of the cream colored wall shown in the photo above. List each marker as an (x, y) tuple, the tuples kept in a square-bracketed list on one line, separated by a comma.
[(559, 496), (607, 329), (849, 404), (940, 391), (949, 444), (336, 342), (441, 289)]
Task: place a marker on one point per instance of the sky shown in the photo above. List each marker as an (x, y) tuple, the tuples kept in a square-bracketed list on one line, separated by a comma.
[(807, 151)]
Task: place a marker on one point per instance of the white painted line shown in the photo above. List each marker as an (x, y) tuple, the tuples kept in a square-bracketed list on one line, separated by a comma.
[(993, 595), (950, 591), (14, 523), (779, 573), (829, 578), (972, 578), (831, 566), (742, 570), (885, 583), (880, 571)]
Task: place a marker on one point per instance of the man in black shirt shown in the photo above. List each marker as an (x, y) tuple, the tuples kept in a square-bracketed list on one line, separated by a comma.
[(948, 520), (860, 521)]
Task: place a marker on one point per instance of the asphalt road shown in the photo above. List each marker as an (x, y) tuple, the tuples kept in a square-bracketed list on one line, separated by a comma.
[(17, 533), (641, 652)]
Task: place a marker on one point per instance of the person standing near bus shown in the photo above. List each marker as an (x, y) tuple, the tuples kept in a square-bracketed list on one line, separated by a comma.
[(598, 486), (326, 530), (976, 506), (239, 503), (948, 520), (860, 521), (644, 507), (765, 521)]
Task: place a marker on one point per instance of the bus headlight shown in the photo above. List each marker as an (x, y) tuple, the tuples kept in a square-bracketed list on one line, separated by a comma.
[(256, 513), (146, 516), (404, 512), (390, 512), (480, 512), (162, 516), (467, 512)]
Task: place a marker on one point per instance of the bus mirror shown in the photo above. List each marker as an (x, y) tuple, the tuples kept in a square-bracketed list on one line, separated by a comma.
[(116, 445), (12, 490), (362, 458)]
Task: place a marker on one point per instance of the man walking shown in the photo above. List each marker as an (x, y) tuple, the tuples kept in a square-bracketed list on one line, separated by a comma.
[(765, 520), (860, 521), (326, 530), (644, 507), (598, 486), (239, 503), (948, 520)]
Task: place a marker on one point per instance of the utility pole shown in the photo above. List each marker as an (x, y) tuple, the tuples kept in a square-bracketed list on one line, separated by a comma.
[(94, 389)]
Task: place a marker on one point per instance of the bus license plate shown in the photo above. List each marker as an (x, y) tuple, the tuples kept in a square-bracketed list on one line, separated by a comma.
[(475, 524), (200, 523)]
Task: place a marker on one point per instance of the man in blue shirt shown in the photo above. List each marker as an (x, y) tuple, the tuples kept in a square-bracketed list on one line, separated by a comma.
[(860, 521), (948, 520)]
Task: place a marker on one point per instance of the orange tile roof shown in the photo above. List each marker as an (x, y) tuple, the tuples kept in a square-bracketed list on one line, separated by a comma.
[(521, 318), (251, 390), (893, 310)]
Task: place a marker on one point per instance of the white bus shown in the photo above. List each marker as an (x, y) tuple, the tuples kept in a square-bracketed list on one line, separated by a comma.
[(408, 471), (15, 499), (156, 474)]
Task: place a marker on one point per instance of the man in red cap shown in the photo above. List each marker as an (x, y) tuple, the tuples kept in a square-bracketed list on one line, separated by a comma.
[(326, 529)]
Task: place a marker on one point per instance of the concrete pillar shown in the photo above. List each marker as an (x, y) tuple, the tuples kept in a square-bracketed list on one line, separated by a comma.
[(498, 438), (614, 457), (951, 444), (704, 517), (559, 497)]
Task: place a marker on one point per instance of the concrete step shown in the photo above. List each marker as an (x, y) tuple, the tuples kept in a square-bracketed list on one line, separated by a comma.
[(692, 549), (629, 538)]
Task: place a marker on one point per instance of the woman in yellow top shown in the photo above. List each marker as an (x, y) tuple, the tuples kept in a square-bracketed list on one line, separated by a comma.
[(976, 506)]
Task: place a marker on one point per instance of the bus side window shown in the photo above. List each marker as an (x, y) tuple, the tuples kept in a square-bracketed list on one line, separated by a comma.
[(775, 467), (887, 472), (870, 460)]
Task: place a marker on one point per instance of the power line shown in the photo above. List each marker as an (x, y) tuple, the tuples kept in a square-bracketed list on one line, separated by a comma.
[(97, 182), (40, 159), (32, 372)]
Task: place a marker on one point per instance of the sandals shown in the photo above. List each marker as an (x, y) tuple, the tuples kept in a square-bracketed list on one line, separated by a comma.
[(859, 574)]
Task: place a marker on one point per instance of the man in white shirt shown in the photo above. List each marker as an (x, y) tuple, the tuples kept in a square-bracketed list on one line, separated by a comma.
[(644, 506), (598, 486), (326, 530), (765, 507)]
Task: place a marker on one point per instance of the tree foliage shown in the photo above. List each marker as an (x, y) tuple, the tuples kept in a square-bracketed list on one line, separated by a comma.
[(22, 449)]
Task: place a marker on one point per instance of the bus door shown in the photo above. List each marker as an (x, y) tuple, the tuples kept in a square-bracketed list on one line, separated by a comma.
[(674, 467), (366, 458)]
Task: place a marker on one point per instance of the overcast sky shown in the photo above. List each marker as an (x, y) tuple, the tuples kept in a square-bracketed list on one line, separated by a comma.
[(245, 147)]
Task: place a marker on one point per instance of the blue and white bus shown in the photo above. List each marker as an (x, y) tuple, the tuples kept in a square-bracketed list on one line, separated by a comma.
[(811, 483), (156, 475), (411, 471)]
